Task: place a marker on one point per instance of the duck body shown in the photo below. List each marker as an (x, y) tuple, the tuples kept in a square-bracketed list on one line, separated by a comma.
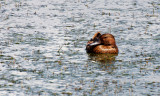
[(102, 43)]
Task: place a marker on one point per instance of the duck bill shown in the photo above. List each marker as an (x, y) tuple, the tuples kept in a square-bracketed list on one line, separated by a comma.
[(95, 44)]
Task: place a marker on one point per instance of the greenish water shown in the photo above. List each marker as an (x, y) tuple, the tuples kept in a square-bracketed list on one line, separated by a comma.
[(42, 48)]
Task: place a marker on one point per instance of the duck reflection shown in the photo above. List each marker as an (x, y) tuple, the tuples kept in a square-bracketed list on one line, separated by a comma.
[(106, 61)]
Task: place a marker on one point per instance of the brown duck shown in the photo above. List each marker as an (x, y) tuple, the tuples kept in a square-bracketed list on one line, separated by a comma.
[(102, 43)]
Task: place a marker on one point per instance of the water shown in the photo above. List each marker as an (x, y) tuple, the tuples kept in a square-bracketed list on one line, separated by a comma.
[(42, 48)]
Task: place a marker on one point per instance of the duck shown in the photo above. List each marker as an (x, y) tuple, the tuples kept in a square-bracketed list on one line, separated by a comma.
[(102, 43)]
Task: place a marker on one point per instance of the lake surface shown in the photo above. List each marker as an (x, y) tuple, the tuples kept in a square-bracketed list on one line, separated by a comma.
[(42, 48)]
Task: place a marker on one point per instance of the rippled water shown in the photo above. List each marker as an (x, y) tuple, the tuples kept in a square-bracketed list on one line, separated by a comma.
[(42, 48)]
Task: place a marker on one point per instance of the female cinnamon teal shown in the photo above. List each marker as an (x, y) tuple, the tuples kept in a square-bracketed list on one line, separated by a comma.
[(104, 43)]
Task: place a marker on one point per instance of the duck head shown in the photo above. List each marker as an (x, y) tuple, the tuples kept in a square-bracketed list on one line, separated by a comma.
[(105, 39)]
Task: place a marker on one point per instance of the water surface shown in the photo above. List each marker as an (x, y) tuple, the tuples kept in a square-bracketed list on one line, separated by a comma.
[(42, 48)]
